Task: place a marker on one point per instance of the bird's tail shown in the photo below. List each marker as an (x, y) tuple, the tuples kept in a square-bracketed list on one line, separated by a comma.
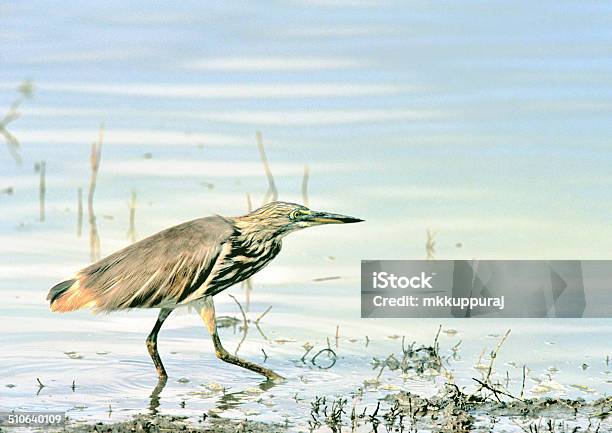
[(68, 296)]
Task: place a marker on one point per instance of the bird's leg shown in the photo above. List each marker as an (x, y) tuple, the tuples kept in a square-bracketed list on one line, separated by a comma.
[(152, 343), (207, 312)]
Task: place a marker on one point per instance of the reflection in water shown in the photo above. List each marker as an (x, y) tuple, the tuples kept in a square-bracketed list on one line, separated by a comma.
[(232, 400), (154, 398), (227, 401)]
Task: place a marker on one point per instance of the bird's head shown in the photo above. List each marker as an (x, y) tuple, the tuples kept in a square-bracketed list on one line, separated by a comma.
[(283, 218)]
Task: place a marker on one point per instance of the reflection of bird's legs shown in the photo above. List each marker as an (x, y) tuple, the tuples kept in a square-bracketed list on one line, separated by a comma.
[(152, 343), (154, 397), (207, 312)]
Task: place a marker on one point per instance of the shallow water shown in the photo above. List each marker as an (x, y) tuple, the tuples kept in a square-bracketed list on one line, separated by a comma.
[(488, 123)]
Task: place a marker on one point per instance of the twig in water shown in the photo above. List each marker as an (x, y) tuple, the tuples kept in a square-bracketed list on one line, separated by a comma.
[(306, 353), (494, 390), (523, 384), (272, 193), (40, 384), (94, 239), (494, 355), (327, 350), (132, 230), (245, 324), (265, 354), (257, 323), (337, 335), (42, 190), (305, 185), (261, 316), (382, 368), (436, 346)]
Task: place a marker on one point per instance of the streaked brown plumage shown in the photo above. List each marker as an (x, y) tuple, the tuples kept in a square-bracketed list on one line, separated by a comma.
[(187, 264)]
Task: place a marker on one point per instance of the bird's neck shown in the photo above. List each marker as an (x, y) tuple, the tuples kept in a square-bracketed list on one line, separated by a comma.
[(252, 234)]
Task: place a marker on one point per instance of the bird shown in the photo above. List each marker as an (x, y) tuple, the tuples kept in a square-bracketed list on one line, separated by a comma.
[(188, 264)]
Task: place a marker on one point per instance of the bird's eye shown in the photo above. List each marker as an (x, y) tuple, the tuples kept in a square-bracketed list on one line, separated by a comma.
[(294, 214)]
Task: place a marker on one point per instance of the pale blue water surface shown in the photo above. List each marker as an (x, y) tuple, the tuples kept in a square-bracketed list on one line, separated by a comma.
[(486, 122)]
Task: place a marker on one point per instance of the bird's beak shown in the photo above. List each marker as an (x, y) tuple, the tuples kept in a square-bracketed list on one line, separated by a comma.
[(329, 218)]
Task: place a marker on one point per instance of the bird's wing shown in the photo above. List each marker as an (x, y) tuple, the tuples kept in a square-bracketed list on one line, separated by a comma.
[(161, 270)]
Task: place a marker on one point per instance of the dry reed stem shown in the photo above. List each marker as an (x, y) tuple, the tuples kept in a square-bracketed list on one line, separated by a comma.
[(132, 229), (494, 355), (245, 325), (249, 203), (305, 185), (94, 238), (272, 193), (79, 212), (430, 245)]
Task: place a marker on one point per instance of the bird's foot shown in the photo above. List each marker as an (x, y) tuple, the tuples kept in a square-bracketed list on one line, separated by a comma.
[(232, 359)]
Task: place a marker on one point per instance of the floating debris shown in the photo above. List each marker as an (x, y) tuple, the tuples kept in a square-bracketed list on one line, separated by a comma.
[(73, 355), (336, 277), (213, 386), (583, 388), (546, 386)]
